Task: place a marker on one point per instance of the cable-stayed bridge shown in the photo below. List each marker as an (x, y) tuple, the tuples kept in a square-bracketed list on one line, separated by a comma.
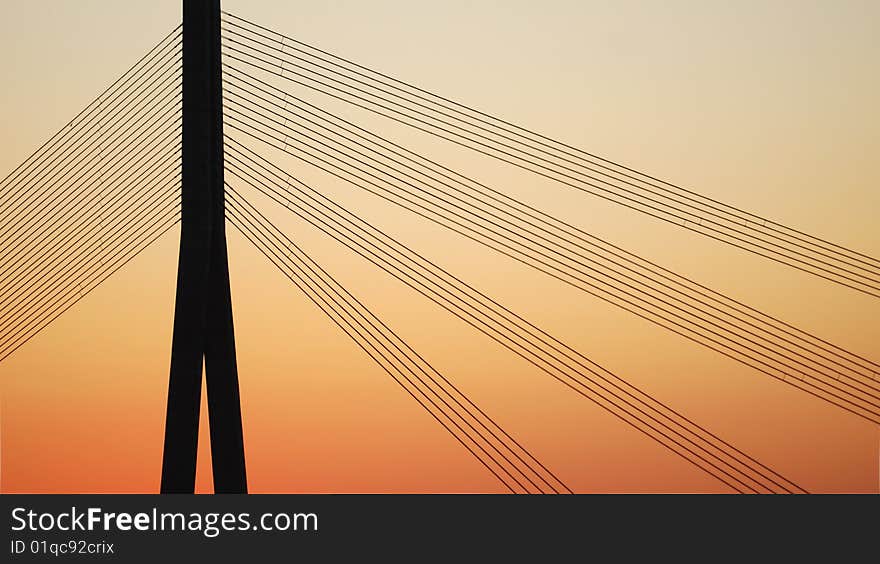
[(190, 118)]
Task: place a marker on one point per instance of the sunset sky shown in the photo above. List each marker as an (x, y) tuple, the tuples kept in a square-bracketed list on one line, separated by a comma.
[(767, 105)]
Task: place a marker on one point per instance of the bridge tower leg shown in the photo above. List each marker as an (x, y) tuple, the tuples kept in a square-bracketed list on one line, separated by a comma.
[(203, 327)]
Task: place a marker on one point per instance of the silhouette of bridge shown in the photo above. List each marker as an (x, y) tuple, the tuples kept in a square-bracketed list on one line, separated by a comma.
[(172, 141)]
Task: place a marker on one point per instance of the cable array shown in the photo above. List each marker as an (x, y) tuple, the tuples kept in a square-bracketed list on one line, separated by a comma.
[(246, 43), (638, 409), (91, 198), (504, 457), (82, 127), (556, 248)]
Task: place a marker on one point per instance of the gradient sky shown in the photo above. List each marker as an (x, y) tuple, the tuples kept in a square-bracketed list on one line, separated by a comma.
[(770, 106)]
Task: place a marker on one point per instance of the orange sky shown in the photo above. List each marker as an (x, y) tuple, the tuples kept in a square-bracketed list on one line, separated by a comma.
[(766, 108)]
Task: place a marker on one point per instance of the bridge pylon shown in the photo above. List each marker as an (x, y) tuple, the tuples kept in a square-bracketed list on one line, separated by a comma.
[(203, 324)]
